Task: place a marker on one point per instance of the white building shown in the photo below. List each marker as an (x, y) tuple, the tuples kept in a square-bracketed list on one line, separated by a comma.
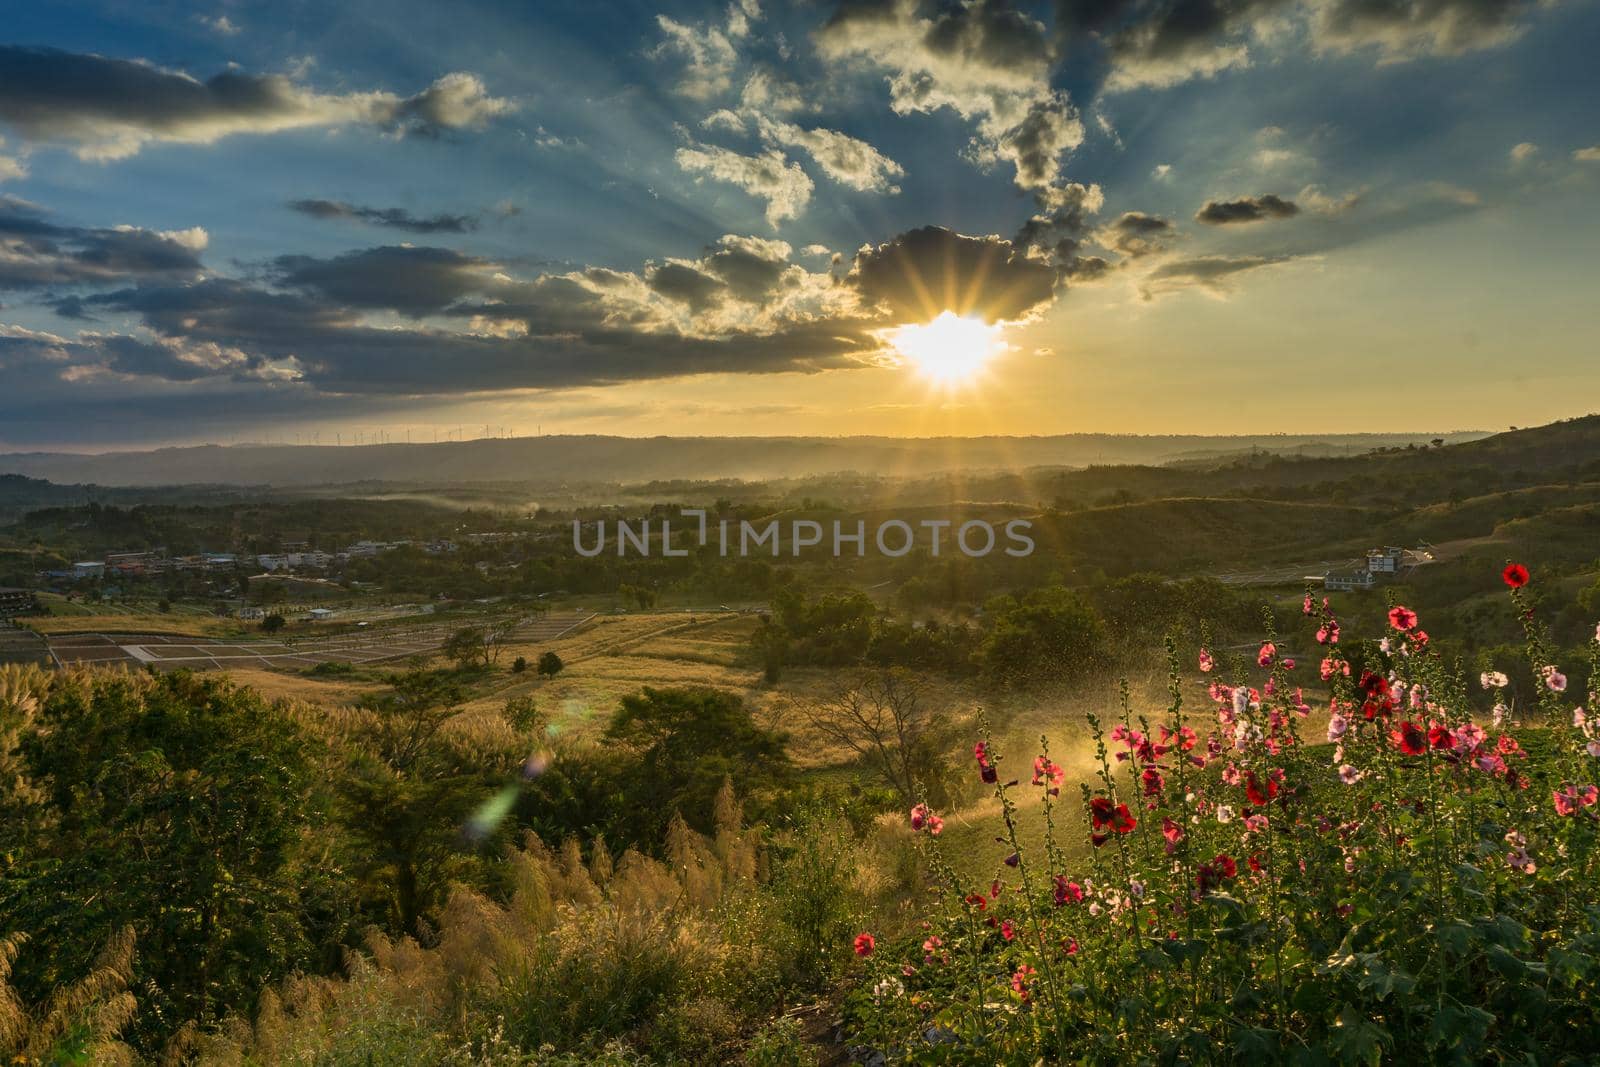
[(91, 568), (1386, 560), (1349, 580), (320, 614), (250, 611)]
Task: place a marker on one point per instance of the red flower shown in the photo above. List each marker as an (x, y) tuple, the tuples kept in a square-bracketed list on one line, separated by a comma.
[(865, 943), (979, 901), (1409, 739), (1258, 794), (1102, 814), (1067, 892), (1402, 618), (1210, 875), (1440, 737), (1515, 575)]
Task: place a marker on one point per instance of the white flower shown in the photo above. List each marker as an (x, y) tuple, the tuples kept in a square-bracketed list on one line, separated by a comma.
[(1494, 680), (889, 987), (1348, 774), (1224, 813)]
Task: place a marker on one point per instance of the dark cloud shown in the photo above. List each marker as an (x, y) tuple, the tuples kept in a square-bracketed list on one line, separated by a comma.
[(685, 284), (412, 281), (1057, 235), (392, 217), (925, 271), (1163, 42), (110, 107), (1213, 273), (1246, 209), (36, 252), (1136, 234)]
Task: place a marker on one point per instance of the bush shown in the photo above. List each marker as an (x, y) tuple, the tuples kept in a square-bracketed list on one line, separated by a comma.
[(519, 664)]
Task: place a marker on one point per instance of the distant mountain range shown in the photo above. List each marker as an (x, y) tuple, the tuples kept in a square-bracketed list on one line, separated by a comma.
[(589, 459)]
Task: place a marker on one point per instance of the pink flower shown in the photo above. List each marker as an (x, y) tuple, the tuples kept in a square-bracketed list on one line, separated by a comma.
[(1067, 892), (1019, 980), (1206, 662), (1554, 679), (1268, 653), (1570, 799), (923, 819), (1402, 618), (1048, 774), (1172, 832), (1348, 774), (1008, 931), (1255, 824)]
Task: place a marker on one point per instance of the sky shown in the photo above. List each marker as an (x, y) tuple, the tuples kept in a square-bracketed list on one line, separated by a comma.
[(325, 222)]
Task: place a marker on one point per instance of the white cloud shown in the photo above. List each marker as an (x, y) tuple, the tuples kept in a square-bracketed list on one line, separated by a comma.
[(848, 160), (1523, 152), (769, 176), (1587, 155)]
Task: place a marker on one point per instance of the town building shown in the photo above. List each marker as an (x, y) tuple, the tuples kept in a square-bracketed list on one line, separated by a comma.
[(1388, 560), (1349, 580), (15, 602)]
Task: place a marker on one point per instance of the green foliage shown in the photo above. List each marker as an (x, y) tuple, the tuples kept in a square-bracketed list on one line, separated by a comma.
[(179, 806), (1051, 635), (550, 665), (273, 623), (684, 743)]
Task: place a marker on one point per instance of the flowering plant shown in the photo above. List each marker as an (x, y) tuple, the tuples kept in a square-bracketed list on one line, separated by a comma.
[(1410, 884)]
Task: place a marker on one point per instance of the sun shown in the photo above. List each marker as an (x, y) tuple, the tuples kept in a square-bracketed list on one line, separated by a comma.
[(950, 350)]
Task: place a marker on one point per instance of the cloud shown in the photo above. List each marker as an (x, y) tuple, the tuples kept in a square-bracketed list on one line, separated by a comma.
[(1246, 209), (411, 281), (1405, 29), (38, 253), (10, 166), (221, 24), (847, 160), (1587, 155), (1211, 273), (770, 176), (1136, 234), (985, 61), (111, 108), (708, 53), (392, 217), (1163, 44), (1057, 235), (925, 271), (1524, 151)]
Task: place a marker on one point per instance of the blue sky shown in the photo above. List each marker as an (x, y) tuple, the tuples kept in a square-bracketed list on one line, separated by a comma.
[(238, 221)]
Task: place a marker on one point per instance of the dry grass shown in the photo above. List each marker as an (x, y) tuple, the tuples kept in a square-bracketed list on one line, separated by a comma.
[(151, 623)]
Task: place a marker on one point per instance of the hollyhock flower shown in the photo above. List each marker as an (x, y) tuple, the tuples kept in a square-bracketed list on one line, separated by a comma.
[(1255, 824), (1019, 980), (1257, 793), (1593, 748), (888, 989), (1469, 736), (1337, 725), (1268, 653), (1288, 664), (1554, 680), (1409, 738), (919, 816), (1153, 782), (1206, 662), (1515, 575), (986, 769), (1172, 832), (1067, 892), (1518, 857), (1492, 764), (1305, 605), (1494, 680), (932, 945), (1402, 618), (1048, 774), (1225, 813), (1500, 713), (1349, 775), (1440, 737), (1570, 798), (1007, 931), (978, 900), (865, 944)]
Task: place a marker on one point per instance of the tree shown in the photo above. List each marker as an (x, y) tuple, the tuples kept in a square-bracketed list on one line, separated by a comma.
[(883, 717), (519, 664), (1052, 635), (469, 646), (683, 743), (550, 665), (273, 623), (407, 790), (185, 808)]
